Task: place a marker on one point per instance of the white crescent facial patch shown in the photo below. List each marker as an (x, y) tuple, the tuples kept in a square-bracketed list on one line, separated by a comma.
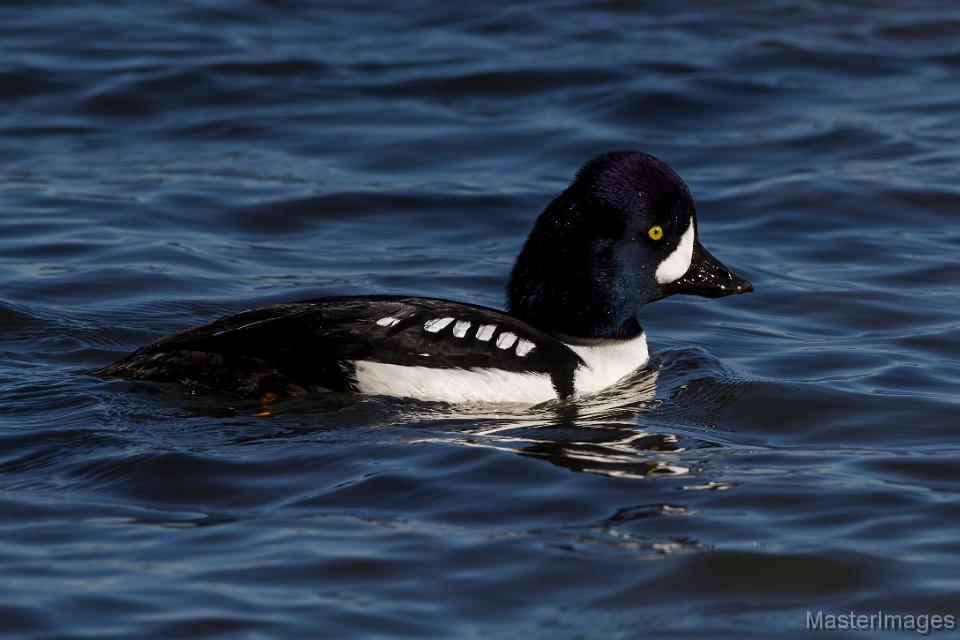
[(678, 262)]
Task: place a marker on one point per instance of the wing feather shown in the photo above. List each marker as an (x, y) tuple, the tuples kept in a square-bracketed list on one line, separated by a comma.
[(313, 343)]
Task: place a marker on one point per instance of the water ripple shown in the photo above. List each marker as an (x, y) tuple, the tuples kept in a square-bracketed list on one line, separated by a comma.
[(787, 451)]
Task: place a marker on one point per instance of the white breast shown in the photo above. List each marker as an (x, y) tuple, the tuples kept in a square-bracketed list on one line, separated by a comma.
[(453, 385), (606, 362)]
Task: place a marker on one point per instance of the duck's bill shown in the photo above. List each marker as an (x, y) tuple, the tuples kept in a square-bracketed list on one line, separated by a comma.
[(706, 277)]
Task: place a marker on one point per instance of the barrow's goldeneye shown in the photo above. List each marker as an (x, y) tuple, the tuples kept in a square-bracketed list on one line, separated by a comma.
[(623, 234)]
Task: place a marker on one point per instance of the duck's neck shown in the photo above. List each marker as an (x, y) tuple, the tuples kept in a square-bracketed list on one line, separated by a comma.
[(565, 284), (575, 324), (588, 312)]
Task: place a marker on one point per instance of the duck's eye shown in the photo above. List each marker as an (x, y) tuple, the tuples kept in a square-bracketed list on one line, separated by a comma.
[(655, 232)]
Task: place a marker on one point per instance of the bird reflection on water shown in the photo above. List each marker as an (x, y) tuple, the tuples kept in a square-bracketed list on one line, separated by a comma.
[(627, 431), (596, 435), (652, 433), (638, 428)]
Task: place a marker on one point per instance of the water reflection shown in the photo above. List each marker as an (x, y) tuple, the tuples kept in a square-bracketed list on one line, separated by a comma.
[(651, 424), (624, 535), (654, 423), (603, 434)]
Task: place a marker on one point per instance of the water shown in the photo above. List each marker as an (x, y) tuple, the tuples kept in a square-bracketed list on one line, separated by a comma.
[(794, 449)]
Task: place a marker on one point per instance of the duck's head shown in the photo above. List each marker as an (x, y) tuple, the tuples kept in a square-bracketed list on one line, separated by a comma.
[(623, 234)]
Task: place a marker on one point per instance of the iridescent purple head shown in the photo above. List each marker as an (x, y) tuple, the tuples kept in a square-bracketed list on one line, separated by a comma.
[(621, 235)]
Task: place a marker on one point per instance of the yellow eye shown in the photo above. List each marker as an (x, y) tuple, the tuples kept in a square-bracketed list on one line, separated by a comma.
[(655, 232)]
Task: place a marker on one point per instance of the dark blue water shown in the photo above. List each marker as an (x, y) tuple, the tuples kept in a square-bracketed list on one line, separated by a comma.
[(795, 449)]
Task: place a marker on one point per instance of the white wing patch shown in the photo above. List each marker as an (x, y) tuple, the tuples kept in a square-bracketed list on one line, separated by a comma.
[(437, 324), (453, 385), (607, 362), (524, 347), (485, 331), (460, 329), (678, 262), (389, 321), (506, 339)]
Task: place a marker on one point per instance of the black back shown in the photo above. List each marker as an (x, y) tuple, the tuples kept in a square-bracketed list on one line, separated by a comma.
[(308, 345)]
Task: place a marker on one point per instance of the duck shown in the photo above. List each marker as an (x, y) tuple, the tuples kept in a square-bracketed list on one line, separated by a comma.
[(623, 234)]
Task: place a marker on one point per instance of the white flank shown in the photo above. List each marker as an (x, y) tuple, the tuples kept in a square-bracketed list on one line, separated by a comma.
[(460, 329), (389, 321), (453, 385), (506, 339), (607, 362), (485, 331), (437, 324), (676, 264), (524, 347)]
